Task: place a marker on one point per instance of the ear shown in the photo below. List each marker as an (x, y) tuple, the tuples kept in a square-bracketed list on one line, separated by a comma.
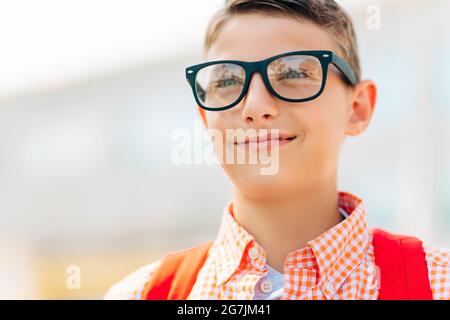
[(203, 115), (363, 102)]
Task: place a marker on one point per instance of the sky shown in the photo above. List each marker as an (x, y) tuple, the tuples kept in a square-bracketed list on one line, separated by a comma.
[(48, 43)]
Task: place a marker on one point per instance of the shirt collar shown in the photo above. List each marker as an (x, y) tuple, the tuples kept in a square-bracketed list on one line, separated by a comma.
[(336, 252)]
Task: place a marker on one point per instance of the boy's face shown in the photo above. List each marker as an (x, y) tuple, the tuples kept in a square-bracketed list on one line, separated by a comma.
[(319, 125)]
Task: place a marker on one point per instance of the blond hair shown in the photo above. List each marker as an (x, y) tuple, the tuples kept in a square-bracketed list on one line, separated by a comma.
[(324, 13)]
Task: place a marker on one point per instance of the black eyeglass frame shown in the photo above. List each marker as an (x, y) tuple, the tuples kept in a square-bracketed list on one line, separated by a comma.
[(324, 56)]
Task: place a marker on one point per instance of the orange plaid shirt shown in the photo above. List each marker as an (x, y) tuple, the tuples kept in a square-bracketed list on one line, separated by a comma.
[(338, 264)]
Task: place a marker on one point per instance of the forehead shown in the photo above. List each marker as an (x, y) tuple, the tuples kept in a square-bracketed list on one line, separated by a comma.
[(256, 36)]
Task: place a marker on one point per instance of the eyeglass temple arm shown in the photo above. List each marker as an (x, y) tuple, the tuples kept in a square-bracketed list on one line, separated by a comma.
[(344, 67)]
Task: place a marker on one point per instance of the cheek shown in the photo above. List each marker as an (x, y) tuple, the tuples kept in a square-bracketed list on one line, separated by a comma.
[(329, 113), (221, 120), (323, 125), (218, 123)]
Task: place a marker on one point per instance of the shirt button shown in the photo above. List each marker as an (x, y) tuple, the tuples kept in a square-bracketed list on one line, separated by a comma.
[(266, 286), (253, 253)]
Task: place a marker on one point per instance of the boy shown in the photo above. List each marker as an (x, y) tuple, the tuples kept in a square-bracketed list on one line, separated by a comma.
[(289, 235)]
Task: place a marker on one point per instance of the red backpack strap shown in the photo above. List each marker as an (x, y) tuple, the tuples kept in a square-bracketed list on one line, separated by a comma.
[(176, 275), (403, 268)]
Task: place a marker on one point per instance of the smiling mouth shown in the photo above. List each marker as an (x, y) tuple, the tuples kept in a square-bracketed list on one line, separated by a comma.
[(265, 142)]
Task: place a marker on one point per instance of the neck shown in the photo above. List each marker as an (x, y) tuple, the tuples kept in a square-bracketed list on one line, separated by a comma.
[(282, 225)]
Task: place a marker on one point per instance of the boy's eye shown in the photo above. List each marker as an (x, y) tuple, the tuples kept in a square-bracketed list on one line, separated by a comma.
[(228, 82), (293, 74)]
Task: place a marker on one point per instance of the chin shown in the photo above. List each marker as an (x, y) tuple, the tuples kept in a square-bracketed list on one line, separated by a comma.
[(249, 181)]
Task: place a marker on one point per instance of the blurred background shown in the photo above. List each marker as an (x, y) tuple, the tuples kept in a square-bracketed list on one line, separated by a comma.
[(91, 91)]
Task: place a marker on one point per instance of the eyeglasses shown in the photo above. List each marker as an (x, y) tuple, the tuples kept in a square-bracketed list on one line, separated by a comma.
[(297, 76)]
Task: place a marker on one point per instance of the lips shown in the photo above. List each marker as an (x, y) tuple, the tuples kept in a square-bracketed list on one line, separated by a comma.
[(280, 138)]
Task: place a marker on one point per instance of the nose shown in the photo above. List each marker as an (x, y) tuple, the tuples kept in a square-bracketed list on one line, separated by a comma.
[(258, 104)]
